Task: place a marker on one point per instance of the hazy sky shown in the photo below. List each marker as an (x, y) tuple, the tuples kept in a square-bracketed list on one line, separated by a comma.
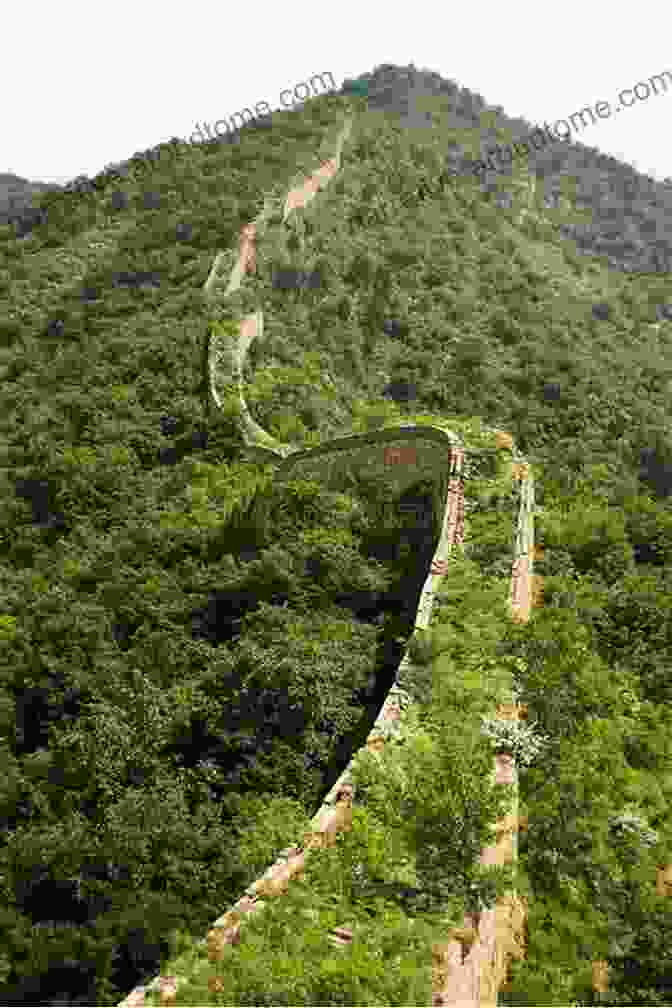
[(95, 83)]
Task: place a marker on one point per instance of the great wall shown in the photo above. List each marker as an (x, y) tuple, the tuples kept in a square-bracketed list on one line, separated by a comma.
[(469, 964)]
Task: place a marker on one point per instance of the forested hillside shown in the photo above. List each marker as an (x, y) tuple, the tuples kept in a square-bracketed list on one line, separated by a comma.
[(191, 647)]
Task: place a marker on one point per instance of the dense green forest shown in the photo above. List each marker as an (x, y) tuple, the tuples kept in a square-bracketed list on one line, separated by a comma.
[(192, 648)]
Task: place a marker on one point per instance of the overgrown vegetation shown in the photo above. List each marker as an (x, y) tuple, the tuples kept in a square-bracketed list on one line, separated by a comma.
[(407, 869), (160, 589)]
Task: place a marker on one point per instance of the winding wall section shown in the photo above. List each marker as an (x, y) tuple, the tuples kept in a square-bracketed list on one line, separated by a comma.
[(469, 967)]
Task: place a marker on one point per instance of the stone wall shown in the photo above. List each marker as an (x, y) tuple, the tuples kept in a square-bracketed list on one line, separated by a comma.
[(470, 966)]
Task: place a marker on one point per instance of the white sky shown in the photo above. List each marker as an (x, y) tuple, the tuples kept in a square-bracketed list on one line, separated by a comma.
[(97, 82)]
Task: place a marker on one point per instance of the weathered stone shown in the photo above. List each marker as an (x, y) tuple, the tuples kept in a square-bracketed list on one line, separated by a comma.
[(503, 440), (119, 200), (169, 424), (537, 590), (401, 391), (55, 329), (218, 939), (29, 219), (392, 327), (551, 391), (184, 231), (168, 990), (600, 971), (520, 470), (135, 999), (136, 278), (276, 879), (340, 936), (295, 279), (664, 880), (375, 742), (151, 200), (601, 311), (216, 984)]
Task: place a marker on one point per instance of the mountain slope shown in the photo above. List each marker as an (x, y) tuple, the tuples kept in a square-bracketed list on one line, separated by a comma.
[(159, 586), (17, 196)]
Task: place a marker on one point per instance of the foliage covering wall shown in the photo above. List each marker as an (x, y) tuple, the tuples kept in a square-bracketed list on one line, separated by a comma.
[(159, 590)]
